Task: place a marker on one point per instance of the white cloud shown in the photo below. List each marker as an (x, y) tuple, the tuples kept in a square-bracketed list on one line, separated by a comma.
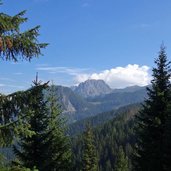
[(65, 70), (120, 77)]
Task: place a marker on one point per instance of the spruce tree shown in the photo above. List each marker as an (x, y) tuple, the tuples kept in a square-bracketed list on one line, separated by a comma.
[(14, 111), (150, 122), (15, 45), (31, 150), (89, 160), (48, 148), (58, 144), (121, 163)]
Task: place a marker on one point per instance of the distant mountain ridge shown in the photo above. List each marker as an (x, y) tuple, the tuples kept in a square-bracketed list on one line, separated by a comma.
[(77, 107), (128, 89)]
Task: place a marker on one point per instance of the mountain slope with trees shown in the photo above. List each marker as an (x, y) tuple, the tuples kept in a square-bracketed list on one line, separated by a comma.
[(101, 118), (109, 138)]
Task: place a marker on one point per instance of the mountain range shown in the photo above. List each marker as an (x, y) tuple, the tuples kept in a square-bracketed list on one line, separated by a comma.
[(95, 96)]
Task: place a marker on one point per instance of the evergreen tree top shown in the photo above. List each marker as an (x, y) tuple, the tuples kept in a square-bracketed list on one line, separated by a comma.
[(14, 44), (151, 121)]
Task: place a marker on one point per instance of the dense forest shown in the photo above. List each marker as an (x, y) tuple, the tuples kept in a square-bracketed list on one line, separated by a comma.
[(109, 138), (35, 133), (100, 119)]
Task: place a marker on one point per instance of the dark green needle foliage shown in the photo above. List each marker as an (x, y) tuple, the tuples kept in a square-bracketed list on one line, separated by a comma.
[(48, 148), (58, 144), (121, 163), (31, 150), (108, 138), (150, 123), (89, 159), (13, 109), (15, 44), (167, 142)]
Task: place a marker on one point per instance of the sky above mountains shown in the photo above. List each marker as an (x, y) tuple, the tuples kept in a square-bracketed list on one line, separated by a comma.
[(113, 40)]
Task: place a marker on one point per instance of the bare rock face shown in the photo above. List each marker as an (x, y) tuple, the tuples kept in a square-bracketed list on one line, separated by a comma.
[(69, 101), (91, 88)]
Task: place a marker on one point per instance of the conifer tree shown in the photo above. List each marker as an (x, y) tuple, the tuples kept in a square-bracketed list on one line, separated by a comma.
[(121, 163), (151, 120), (14, 45), (89, 160), (31, 150), (48, 148), (58, 144), (14, 111)]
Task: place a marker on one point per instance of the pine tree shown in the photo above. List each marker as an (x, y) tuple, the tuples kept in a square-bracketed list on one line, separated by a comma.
[(31, 150), (14, 111), (89, 160), (15, 45), (48, 148), (58, 144), (152, 118), (121, 163)]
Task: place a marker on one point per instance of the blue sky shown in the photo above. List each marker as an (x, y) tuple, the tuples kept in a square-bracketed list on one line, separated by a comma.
[(113, 40)]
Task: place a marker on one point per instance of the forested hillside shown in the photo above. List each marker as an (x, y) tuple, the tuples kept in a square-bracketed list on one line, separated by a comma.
[(109, 137), (101, 118)]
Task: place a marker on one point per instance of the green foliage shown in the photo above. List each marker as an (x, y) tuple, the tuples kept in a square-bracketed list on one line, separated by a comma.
[(4, 166), (94, 121), (121, 161), (14, 43), (14, 108), (150, 123), (48, 148), (18, 168), (2, 162), (108, 138), (89, 158), (58, 144), (167, 142), (30, 149)]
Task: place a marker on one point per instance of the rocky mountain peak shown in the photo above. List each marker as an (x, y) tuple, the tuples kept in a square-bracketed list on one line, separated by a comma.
[(91, 88)]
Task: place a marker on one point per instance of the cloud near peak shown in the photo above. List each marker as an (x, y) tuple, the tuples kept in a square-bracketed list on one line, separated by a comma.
[(120, 77)]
